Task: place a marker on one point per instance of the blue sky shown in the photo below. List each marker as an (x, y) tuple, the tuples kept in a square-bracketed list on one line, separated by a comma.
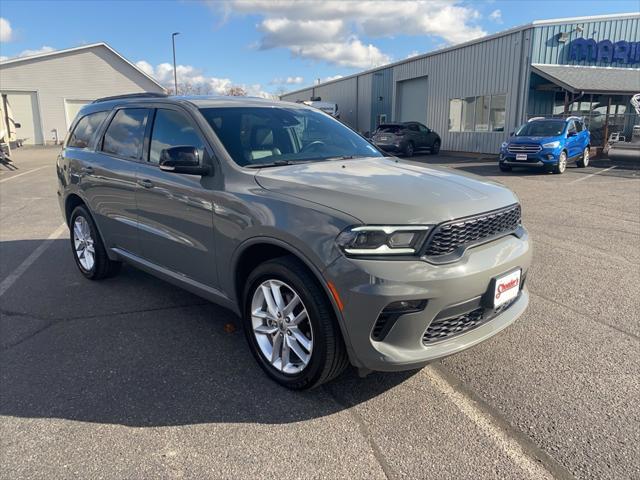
[(270, 45)]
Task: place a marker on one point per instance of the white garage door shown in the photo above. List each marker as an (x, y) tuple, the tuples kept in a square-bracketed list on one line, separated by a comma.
[(412, 100), (72, 107), (24, 106)]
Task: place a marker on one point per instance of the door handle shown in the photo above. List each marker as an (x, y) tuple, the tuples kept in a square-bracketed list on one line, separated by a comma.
[(87, 170), (146, 183)]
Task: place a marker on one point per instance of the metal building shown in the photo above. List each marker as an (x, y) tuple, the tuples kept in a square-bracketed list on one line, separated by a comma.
[(475, 93), (44, 92)]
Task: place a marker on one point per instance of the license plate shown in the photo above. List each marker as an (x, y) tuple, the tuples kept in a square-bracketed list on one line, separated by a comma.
[(521, 156), (506, 288)]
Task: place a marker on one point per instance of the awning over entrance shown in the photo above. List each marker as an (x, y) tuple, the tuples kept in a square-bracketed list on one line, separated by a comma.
[(575, 78)]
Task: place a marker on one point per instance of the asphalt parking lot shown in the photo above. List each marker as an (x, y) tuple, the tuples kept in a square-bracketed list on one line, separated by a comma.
[(133, 378)]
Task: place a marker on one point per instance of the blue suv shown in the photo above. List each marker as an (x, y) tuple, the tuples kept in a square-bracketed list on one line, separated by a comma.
[(547, 142)]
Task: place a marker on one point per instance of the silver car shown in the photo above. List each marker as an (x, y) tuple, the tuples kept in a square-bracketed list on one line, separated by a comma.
[(330, 252)]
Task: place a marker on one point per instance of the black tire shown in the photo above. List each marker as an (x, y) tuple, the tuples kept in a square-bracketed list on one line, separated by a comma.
[(409, 150), (328, 356), (435, 148), (562, 164), (504, 168), (102, 267), (584, 159)]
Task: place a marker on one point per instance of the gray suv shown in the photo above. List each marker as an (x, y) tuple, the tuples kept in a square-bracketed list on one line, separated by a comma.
[(330, 252)]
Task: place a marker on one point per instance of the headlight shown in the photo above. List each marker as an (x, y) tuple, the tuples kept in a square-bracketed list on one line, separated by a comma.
[(555, 144), (382, 239), (504, 145)]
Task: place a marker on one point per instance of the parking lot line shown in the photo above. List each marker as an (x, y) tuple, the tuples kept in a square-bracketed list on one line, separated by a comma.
[(23, 173), (17, 273), (510, 446), (591, 175)]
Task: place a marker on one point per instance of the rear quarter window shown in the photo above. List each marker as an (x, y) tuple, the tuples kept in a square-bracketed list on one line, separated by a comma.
[(85, 130)]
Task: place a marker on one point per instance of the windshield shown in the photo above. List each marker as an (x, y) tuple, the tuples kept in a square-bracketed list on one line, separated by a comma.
[(390, 128), (268, 135), (541, 128)]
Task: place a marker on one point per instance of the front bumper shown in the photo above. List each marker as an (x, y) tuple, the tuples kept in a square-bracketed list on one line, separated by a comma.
[(366, 287), (545, 157)]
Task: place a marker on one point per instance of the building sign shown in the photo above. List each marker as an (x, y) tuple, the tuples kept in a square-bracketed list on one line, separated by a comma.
[(604, 51)]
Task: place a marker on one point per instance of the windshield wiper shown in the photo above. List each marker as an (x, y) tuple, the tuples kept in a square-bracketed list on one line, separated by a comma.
[(277, 163)]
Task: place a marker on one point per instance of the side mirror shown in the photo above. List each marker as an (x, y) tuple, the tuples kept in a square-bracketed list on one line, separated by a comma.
[(17, 125), (511, 134), (571, 134), (182, 159)]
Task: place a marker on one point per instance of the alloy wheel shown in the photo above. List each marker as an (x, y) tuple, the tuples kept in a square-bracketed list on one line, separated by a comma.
[(281, 326), (562, 162), (84, 243), (585, 157)]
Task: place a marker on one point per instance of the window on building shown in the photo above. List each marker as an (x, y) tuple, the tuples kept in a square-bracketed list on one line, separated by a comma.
[(468, 114), (497, 113), (455, 115), (86, 128), (485, 113), (172, 129), (125, 134)]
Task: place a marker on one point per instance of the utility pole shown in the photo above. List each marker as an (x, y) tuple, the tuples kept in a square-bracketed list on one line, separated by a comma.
[(175, 72)]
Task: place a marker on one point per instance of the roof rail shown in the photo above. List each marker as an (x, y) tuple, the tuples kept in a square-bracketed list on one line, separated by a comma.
[(131, 95), (535, 118)]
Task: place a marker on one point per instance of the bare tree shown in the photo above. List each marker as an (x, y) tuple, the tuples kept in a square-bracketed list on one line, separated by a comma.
[(236, 91)]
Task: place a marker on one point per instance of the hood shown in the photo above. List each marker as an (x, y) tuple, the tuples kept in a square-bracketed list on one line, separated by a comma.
[(518, 140), (386, 191)]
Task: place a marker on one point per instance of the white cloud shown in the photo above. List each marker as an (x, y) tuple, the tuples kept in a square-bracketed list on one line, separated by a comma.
[(496, 16), (29, 53), (332, 77), (36, 51), (412, 53), (334, 33), (287, 80), (195, 81), (6, 32), (351, 53)]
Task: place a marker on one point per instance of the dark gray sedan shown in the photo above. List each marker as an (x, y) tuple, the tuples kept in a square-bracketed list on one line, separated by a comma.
[(406, 138)]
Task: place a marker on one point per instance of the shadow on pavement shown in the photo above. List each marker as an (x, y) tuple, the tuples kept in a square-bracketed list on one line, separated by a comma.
[(146, 355)]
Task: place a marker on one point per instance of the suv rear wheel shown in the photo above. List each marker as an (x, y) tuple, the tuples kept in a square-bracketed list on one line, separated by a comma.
[(290, 325), (562, 163), (408, 150), (87, 247), (584, 161)]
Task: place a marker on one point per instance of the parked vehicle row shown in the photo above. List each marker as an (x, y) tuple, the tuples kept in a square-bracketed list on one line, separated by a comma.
[(330, 252)]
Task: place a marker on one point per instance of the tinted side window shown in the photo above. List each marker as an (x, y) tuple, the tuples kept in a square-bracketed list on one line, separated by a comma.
[(125, 134), (422, 127), (579, 126), (572, 126), (172, 129), (82, 135), (413, 127)]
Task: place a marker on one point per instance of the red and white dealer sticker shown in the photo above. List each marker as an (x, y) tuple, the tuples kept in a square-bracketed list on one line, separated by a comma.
[(507, 288)]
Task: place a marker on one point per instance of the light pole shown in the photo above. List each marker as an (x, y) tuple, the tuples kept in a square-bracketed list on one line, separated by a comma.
[(175, 72)]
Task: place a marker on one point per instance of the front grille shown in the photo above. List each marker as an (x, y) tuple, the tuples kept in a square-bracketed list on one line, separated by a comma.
[(524, 148), (456, 235), (446, 328)]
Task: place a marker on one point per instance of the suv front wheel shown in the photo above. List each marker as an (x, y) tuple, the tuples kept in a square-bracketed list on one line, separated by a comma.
[(290, 325), (562, 163)]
